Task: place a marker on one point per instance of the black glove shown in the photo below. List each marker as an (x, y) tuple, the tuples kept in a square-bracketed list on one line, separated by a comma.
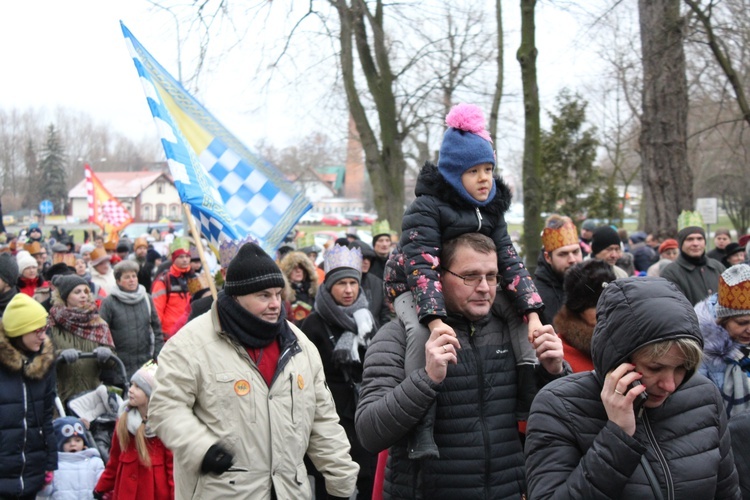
[(98, 495), (102, 354), (331, 497), (217, 460), (69, 355)]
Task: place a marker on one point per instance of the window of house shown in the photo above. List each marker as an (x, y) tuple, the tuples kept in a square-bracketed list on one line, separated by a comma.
[(160, 187)]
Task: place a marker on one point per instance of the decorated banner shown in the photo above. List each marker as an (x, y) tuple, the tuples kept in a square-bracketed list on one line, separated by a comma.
[(105, 210), (229, 189)]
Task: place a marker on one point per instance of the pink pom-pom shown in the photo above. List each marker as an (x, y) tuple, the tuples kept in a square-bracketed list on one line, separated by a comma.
[(468, 117)]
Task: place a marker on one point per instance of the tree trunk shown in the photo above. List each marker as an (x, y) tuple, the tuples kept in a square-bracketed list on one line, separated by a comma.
[(667, 178), (384, 159), (498, 96), (532, 155)]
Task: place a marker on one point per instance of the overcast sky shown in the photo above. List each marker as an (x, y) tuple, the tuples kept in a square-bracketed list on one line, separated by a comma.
[(72, 54)]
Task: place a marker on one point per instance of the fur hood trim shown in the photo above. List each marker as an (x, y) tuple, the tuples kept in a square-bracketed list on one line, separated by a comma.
[(574, 330), (431, 183), (292, 260), (717, 344), (33, 367)]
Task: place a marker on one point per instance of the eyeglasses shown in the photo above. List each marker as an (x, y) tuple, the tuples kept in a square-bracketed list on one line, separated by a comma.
[(475, 279), (40, 331)]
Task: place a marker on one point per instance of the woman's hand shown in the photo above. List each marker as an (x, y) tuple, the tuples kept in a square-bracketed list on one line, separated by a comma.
[(618, 397)]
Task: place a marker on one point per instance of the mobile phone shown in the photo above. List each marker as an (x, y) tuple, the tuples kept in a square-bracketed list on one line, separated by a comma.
[(640, 400)]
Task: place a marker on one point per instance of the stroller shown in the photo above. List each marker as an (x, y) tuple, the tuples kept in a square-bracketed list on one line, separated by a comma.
[(100, 406)]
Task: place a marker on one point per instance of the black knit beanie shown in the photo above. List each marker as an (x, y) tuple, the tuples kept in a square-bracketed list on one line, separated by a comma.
[(252, 270), (8, 269), (604, 237), (65, 284), (584, 282), (687, 231)]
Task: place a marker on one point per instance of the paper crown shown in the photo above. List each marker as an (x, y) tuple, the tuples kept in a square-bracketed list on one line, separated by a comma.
[(140, 242), (688, 219), (229, 248), (197, 283), (33, 247), (180, 244), (306, 240), (68, 258), (552, 238), (338, 256), (734, 292), (381, 227)]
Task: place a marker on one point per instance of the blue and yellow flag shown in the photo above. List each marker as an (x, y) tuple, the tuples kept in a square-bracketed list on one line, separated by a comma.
[(229, 189)]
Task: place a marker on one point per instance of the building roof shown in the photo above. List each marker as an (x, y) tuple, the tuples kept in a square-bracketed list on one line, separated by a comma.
[(120, 184)]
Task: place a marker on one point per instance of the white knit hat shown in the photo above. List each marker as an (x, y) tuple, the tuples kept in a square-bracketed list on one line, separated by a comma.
[(25, 260)]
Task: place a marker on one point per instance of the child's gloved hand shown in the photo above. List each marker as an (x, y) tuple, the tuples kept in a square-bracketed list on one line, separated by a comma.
[(48, 477)]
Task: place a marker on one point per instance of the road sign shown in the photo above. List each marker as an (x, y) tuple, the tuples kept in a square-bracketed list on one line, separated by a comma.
[(709, 209), (45, 207)]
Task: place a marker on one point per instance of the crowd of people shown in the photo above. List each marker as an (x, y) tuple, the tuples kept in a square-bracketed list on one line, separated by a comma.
[(431, 364)]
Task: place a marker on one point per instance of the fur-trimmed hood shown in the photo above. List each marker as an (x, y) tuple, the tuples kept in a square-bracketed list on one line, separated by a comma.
[(431, 183), (574, 330), (34, 367), (292, 260), (717, 342)]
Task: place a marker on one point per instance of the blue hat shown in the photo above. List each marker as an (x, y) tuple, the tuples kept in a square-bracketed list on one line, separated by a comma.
[(466, 144), (66, 428)]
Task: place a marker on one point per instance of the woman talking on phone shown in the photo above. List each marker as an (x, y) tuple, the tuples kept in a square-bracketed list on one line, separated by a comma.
[(644, 424)]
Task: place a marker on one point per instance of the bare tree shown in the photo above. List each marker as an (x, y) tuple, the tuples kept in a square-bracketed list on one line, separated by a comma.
[(532, 158), (667, 178)]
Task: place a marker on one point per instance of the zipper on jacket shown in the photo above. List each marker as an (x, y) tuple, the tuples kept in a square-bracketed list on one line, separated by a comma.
[(479, 218), (25, 433), (482, 420), (660, 456), (291, 393)]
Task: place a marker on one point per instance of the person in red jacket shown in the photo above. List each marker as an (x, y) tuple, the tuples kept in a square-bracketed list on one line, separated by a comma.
[(140, 466), (29, 279), (575, 321), (170, 290)]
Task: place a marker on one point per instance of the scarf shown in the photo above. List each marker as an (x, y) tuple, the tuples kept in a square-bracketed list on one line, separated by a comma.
[(135, 420), (82, 322), (736, 390), (353, 318), (245, 327), (130, 298), (696, 261)]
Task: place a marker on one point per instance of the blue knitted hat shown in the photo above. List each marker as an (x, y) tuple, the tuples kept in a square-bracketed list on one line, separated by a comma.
[(466, 144), (66, 428)]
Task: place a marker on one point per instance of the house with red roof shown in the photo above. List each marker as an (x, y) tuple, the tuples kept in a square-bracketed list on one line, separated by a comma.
[(148, 196)]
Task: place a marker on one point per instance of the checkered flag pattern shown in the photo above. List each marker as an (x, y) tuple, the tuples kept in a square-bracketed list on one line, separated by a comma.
[(104, 209), (230, 189)]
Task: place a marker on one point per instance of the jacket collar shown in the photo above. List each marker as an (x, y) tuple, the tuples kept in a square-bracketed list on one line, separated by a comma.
[(34, 366)]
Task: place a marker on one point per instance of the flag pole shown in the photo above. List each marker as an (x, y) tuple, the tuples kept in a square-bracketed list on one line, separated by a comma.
[(199, 246)]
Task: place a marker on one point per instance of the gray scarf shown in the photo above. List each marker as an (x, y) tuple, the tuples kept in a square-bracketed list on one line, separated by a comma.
[(129, 298), (353, 318)]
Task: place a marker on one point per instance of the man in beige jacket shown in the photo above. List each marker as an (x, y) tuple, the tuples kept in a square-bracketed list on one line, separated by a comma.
[(241, 397)]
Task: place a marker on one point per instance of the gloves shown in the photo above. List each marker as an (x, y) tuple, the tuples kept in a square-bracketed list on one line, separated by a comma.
[(98, 495), (217, 460), (102, 354), (48, 477), (69, 355)]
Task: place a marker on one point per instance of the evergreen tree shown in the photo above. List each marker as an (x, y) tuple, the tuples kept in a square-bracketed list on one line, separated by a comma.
[(31, 198), (53, 178), (569, 178)]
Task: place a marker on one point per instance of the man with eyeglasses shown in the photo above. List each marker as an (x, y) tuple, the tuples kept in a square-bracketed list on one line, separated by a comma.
[(471, 377)]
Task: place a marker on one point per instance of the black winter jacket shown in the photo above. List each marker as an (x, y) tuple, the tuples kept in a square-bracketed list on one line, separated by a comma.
[(476, 427), (574, 451), (550, 287), (437, 215), (28, 447)]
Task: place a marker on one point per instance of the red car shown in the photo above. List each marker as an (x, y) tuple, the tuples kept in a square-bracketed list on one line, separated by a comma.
[(335, 220)]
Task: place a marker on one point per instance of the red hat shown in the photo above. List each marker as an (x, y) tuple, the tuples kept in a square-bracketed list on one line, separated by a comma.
[(667, 245)]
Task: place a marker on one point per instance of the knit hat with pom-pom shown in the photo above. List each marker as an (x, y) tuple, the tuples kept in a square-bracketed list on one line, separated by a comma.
[(466, 144)]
